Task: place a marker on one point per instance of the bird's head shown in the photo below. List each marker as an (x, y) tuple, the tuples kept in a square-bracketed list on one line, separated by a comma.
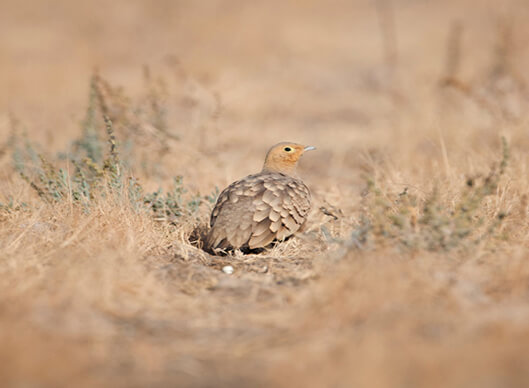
[(283, 157)]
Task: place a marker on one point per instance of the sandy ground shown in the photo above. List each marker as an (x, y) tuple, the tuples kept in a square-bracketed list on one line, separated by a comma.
[(414, 96)]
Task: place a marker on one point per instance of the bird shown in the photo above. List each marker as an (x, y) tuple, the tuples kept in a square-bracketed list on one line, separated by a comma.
[(260, 209)]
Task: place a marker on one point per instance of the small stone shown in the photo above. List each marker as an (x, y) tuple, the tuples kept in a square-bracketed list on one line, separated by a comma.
[(227, 269)]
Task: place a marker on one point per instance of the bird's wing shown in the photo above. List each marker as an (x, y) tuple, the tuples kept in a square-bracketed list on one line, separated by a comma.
[(280, 211), (232, 217), (258, 209)]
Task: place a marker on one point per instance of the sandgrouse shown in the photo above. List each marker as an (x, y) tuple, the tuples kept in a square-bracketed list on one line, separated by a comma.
[(259, 209)]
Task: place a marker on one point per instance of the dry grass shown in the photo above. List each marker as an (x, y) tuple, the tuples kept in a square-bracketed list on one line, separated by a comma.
[(413, 270)]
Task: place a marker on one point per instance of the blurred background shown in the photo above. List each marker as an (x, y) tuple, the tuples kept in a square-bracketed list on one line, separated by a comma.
[(410, 93), (334, 72)]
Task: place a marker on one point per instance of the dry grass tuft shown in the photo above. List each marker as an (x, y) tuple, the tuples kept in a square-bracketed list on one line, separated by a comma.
[(412, 270)]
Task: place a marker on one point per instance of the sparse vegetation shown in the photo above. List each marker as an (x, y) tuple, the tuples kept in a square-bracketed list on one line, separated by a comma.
[(98, 171), (430, 224), (412, 270)]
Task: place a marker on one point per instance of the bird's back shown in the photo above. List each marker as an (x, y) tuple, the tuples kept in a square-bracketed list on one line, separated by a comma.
[(254, 211)]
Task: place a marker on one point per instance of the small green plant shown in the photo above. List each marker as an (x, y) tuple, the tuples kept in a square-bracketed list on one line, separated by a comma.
[(11, 206), (89, 144), (212, 198), (94, 170), (172, 205), (431, 224)]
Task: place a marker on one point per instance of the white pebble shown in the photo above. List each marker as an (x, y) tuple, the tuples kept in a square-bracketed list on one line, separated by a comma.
[(227, 269)]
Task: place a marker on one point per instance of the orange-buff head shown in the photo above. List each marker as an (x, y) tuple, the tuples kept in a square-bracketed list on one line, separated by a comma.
[(283, 157)]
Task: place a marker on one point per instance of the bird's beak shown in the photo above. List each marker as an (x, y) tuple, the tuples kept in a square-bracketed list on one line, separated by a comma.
[(309, 148)]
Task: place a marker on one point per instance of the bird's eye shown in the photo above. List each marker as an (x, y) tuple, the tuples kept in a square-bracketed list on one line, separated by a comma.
[(287, 149)]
